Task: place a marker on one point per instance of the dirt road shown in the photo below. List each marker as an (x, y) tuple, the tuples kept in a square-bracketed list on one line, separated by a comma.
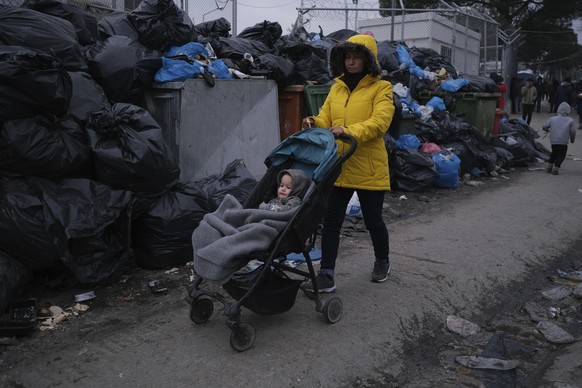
[(465, 257)]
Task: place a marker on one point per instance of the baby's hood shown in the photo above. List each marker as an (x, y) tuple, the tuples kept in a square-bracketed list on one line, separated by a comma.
[(300, 181)]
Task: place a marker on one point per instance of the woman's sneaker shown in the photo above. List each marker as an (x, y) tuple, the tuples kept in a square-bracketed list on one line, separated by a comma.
[(325, 283), (380, 271)]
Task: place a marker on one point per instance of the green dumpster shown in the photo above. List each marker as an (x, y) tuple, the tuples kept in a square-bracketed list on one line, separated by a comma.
[(478, 108), (315, 96)]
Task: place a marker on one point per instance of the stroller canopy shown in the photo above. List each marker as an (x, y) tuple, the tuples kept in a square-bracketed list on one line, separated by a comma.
[(313, 150)]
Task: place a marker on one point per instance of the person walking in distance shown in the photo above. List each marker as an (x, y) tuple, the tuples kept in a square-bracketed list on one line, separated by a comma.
[(360, 104), (561, 128), (541, 90), (528, 96)]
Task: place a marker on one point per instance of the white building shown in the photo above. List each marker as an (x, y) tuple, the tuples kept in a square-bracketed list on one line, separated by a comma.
[(457, 43)]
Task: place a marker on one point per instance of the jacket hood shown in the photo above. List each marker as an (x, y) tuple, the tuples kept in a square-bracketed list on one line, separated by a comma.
[(364, 44), (300, 181), (564, 109)]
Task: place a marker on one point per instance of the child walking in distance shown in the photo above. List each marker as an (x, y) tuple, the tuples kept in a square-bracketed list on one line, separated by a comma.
[(291, 185), (561, 128)]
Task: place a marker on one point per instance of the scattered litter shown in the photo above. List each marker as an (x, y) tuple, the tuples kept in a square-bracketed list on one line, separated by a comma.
[(557, 293), (126, 298), (53, 315), (124, 278), (477, 362), (462, 326), (493, 173), (473, 183), (577, 159), (536, 312), (505, 177), (8, 341), (580, 190), (554, 333), (402, 198), (156, 287), (85, 296), (535, 168), (553, 312), (173, 270), (578, 291), (572, 275)]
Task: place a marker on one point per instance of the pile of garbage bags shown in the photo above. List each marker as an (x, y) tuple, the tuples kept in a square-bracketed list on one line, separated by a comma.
[(87, 181), (445, 147)]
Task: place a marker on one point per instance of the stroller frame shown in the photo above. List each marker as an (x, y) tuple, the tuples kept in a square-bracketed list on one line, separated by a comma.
[(298, 236)]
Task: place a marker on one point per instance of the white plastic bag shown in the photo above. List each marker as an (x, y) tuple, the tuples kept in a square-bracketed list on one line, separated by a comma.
[(353, 209)]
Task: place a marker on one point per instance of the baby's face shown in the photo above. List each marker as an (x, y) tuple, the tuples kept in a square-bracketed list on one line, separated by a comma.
[(285, 186)]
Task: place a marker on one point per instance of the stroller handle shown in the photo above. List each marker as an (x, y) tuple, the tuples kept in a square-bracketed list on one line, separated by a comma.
[(344, 137)]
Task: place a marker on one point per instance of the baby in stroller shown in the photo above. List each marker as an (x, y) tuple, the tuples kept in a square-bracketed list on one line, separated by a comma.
[(226, 237), (291, 187)]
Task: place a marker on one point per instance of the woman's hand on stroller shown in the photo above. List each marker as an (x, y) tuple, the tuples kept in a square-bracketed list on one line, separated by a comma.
[(307, 122), (336, 131)]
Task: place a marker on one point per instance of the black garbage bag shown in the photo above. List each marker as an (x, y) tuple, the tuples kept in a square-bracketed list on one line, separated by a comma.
[(162, 236), (89, 224), (44, 146), (235, 48), (504, 157), (85, 24), (23, 234), (479, 84), (214, 28), (123, 67), (280, 69), (341, 35), (47, 33), (414, 170), (518, 137), (31, 82), (87, 97), (235, 180), (13, 278), (429, 58), (468, 159), (388, 56), (308, 65), (483, 154), (390, 144), (161, 24), (116, 23), (266, 32), (129, 151)]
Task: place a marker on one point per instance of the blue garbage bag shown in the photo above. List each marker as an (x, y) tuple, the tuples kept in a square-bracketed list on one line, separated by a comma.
[(177, 70), (190, 49), (219, 69), (453, 85), (437, 103), (408, 141), (447, 165)]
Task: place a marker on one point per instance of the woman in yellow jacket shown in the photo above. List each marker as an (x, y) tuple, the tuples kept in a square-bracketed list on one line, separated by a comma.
[(359, 104)]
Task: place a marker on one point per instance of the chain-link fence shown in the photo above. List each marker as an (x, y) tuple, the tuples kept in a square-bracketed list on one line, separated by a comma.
[(464, 37)]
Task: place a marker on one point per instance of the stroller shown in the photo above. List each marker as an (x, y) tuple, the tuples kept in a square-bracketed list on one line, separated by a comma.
[(271, 290)]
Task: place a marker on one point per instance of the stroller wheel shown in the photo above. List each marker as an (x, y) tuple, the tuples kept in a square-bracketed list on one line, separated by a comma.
[(332, 309), (201, 310), (242, 336)]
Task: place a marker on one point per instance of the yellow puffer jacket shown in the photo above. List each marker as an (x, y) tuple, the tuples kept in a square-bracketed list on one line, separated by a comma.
[(365, 113)]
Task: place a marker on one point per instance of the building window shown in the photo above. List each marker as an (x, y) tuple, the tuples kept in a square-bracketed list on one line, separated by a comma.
[(446, 52)]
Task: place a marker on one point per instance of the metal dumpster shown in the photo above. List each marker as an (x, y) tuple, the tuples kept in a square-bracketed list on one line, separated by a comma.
[(478, 108), (209, 127)]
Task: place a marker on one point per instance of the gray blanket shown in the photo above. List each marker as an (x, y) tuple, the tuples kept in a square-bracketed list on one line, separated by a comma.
[(233, 231)]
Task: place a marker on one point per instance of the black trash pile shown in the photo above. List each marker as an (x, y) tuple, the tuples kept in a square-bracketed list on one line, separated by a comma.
[(87, 182)]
